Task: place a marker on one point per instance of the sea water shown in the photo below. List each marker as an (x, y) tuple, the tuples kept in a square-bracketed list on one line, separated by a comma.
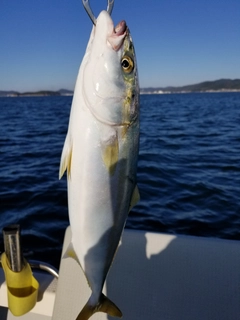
[(188, 172)]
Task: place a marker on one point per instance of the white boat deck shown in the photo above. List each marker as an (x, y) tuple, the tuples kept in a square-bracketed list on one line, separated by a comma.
[(161, 277), (154, 276)]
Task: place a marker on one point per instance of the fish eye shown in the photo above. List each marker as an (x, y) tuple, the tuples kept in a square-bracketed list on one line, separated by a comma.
[(127, 64)]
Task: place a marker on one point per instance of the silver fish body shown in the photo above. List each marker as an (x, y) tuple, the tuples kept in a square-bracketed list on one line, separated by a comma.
[(100, 154)]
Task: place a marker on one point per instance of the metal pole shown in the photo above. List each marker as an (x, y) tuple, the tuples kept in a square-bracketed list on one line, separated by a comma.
[(12, 246)]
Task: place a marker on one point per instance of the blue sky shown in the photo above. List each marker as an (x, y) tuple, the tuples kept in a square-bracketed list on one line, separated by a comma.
[(177, 42)]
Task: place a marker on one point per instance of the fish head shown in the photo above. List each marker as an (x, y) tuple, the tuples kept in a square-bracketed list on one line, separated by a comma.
[(110, 79)]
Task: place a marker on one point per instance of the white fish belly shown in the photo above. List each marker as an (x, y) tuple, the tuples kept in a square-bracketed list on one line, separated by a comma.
[(98, 202)]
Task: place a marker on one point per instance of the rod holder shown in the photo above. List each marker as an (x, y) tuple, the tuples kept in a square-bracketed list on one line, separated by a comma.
[(22, 287), (12, 247)]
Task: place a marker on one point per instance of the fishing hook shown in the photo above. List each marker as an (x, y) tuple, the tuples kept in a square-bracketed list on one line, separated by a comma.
[(89, 10)]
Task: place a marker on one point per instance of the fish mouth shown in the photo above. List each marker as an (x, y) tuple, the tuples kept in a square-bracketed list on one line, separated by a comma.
[(120, 28), (117, 37)]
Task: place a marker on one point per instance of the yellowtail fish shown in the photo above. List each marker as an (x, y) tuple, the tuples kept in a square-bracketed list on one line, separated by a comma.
[(100, 155)]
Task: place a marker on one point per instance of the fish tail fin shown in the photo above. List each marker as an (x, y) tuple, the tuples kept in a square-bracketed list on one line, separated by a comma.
[(107, 306), (104, 305)]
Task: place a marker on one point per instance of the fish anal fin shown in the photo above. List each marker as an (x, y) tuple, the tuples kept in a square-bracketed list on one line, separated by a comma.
[(66, 158), (70, 253), (135, 197), (104, 305)]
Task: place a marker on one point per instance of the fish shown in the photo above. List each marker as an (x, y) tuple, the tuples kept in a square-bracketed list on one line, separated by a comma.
[(100, 155)]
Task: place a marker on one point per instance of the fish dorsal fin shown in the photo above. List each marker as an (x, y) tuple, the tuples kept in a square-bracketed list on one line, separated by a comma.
[(66, 158), (135, 197)]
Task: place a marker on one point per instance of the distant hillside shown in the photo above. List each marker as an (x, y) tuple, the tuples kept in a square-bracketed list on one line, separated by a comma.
[(206, 86), (222, 85), (7, 93), (61, 92)]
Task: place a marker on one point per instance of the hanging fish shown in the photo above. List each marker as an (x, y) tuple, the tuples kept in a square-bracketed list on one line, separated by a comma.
[(100, 154)]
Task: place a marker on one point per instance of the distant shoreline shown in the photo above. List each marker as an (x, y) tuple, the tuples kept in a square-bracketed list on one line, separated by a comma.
[(222, 85), (45, 93), (185, 92), (141, 93)]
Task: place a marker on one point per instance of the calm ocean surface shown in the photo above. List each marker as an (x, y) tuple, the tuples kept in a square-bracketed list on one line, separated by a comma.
[(188, 176)]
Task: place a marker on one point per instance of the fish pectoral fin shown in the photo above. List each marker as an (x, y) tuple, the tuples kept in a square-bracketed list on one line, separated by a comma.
[(66, 158), (104, 305), (135, 197), (110, 154)]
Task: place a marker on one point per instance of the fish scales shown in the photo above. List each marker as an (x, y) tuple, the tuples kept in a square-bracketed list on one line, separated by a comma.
[(100, 154)]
